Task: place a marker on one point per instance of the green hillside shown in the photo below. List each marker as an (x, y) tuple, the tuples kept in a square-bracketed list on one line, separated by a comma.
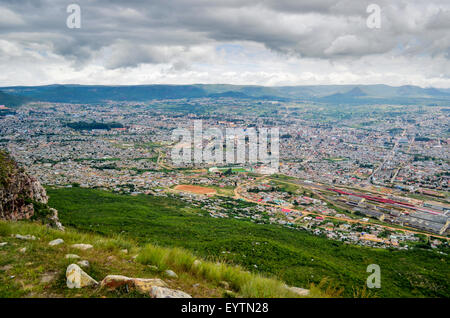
[(296, 257), (33, 268), (11, 101)]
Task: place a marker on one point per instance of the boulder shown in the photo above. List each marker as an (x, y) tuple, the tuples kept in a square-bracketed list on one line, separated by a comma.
[(163, 292), (299, 291), (144, 285), (56, 242), (141, 285), (25, 237), (77, 278), (170, 273), (3, 244), (72, 256), (82, 246), (54, 220), (115, 281), (18, 190)]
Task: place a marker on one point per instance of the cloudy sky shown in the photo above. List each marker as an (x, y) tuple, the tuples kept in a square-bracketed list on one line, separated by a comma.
[(265, 42)]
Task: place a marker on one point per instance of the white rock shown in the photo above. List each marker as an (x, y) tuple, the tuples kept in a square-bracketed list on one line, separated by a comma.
[(25, 237), (170, 273), (124, 251), (197, 263), (163, 292), (141, 285), (144, 285), (23, 250), (114, 281), (83, 263), (3, 244), (77, 278), (75, 256), (56, 242), (82, 246), (299, 291)]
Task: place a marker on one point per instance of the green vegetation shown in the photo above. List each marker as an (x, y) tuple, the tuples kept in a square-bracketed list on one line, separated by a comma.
[(286, 187), (82, 125), (40, 270), (282, 177), (296, 257), (12, 101)]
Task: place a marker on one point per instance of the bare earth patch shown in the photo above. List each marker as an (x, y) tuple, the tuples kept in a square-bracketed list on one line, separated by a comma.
[(195, 189)]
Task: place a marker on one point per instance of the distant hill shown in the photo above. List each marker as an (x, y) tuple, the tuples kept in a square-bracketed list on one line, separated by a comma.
[(352, 94), (230, 94), (98, 94), (11, 101), (344, 97)]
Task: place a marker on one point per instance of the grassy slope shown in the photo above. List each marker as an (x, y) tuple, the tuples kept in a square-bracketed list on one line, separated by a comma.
[(295, 256), (40, 270)]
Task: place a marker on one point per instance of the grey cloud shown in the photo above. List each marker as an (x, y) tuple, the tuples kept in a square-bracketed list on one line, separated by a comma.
[(319, 29), (125, 34)]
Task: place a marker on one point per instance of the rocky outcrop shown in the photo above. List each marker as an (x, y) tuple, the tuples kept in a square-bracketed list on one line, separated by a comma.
[(24, 237), (163, 292), (56, 242), (170, 273), (77, 278), (21, 195), (141, 285)]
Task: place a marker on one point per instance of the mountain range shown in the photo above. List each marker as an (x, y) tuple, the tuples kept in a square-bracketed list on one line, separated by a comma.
[(337, 94)]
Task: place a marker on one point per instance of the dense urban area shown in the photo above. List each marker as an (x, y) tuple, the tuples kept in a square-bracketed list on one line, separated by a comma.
[(372, 175)]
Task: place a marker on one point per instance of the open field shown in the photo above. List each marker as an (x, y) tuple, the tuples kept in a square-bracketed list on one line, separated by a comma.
[(195, 189), (296, 257)]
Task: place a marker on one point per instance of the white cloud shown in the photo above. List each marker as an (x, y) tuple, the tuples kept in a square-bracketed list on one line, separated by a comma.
[(239, 42)]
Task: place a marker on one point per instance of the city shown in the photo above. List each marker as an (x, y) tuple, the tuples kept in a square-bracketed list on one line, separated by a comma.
[(343, 171), (239, 156)]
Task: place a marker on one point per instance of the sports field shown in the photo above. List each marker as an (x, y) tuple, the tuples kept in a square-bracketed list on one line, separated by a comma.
[(195, 189)]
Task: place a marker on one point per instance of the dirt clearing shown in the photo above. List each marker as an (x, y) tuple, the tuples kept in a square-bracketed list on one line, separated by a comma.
[(195, 189)]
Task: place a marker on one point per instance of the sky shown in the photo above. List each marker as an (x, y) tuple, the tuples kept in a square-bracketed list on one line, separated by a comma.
[(245, 42)]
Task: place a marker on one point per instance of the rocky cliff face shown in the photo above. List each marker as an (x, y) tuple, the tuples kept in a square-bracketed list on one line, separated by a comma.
[(22, 196)]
